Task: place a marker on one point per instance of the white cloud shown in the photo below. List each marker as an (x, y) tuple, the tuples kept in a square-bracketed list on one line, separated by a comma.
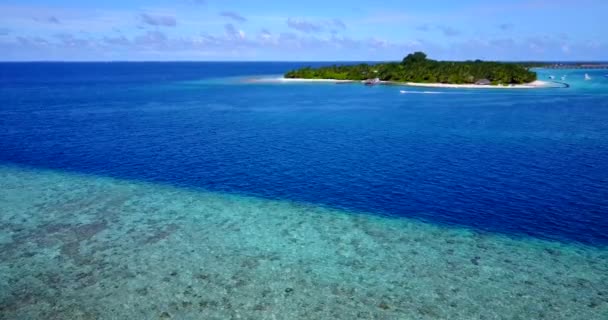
[(158, 20), (338, 23), (303, 25), (506, 26), (154, 39), (50, 19), (233, 33), (315, 26), (449, 31), (118, 41), (233, 15)]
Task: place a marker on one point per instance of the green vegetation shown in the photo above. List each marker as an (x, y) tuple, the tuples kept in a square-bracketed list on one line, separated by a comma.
[(416, 67)]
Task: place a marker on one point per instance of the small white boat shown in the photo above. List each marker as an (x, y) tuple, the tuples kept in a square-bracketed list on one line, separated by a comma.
[(372, 82), (563, 78), (552, 77), (402, 91), (587, 77)]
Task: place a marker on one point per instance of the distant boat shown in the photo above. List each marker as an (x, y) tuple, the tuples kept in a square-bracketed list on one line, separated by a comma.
[(552, 77), (563, 78), (587, 77), (372, 82), (404, 92)]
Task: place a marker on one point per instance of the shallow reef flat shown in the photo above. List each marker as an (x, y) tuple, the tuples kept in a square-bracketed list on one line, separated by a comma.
[(84, 247)]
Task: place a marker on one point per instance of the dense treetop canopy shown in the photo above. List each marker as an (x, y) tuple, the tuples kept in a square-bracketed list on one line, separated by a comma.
[(416, 67)]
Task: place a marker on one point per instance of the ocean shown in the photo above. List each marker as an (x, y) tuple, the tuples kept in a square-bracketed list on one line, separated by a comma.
[(185, 190)]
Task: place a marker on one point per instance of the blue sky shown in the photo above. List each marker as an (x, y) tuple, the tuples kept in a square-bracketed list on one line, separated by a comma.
[(302, 30)]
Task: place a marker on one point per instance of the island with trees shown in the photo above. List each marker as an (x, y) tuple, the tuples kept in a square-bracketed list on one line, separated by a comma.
[(416, 68)]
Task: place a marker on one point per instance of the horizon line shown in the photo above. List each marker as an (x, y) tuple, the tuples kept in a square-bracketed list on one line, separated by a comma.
[(281, 61)]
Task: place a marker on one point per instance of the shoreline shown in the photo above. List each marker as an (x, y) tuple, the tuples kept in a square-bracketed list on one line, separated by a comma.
[(538, 84), (281, 79)]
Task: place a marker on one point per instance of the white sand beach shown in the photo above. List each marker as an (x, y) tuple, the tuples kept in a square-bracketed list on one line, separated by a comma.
[(532, 85)]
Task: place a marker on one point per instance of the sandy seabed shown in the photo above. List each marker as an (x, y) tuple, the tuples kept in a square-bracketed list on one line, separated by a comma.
[(86, 247)]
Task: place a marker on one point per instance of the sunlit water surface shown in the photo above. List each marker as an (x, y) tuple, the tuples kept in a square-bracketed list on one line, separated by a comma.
[(181, 191)]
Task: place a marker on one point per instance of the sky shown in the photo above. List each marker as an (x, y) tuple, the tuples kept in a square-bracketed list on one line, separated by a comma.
[(308, 30)]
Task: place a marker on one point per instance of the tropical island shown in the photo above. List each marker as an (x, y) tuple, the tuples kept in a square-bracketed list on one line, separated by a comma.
[(417, 69)]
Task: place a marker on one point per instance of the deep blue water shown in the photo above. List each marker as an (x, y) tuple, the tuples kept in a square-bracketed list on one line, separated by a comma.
[(517, 162)]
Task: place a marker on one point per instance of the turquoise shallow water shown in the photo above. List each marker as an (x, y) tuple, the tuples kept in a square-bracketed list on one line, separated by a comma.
[(84, 247)]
